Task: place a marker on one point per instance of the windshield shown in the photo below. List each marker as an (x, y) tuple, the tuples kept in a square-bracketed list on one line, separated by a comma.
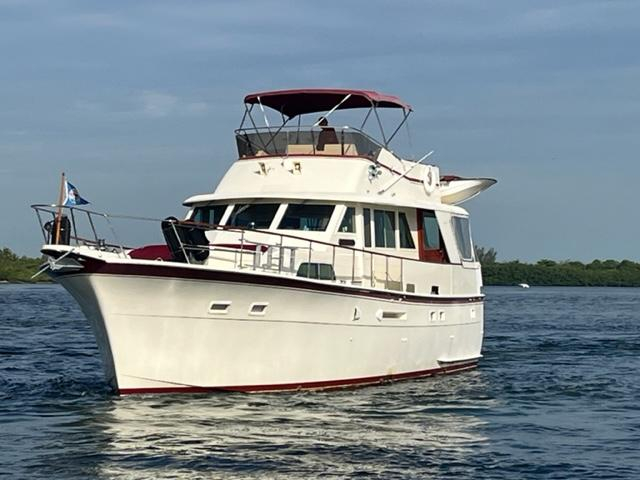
[(253, 215), (306, 217), (211, 214)]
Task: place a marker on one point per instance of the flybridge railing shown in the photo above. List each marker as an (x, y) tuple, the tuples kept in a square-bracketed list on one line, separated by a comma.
[(308, 140), (240, 249)]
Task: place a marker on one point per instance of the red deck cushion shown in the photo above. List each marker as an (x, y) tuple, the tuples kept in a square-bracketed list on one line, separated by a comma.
[(151, 252)]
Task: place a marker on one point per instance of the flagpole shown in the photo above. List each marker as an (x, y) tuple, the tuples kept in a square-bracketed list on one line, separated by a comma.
[(59, 214)]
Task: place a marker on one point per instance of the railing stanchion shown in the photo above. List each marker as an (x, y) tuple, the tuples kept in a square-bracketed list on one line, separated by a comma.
[(333, 259), (402, 273), (44, 234), (353, 266), (371, 279), (115, 235), (309, 262), (184, 252), (93, 228), (386, 273), (241, 247), (256, 255), (73, 225), (280, 254), (292, 259)]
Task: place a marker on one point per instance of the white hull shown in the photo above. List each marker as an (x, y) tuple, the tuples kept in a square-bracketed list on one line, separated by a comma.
[(159, 334)]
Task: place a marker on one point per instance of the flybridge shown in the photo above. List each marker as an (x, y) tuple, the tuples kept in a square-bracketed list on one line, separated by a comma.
[(319, 137)]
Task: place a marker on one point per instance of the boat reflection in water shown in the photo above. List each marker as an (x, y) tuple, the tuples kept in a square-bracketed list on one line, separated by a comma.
[(425, 428)]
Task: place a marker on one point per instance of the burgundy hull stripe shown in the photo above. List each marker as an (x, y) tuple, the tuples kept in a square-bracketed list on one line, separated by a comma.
[(326, 385), (175, 271)]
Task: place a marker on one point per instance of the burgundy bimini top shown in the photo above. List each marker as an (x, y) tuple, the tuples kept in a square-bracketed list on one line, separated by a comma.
[(311, 100)]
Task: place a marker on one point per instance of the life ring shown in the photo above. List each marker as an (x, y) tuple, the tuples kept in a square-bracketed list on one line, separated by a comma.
[(430, 179)]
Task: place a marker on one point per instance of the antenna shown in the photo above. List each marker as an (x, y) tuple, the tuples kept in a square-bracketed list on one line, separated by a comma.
[(266, 120), (330, 111), (384, 189)]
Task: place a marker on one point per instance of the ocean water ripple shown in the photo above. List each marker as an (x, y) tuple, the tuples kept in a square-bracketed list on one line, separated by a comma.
[(555, 397)]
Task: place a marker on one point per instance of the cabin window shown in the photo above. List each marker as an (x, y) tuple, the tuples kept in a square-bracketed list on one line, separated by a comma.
[(348, 224), (431, 237), (463, 237), (366, 213), (253, 215), (406, 240), (307, 217), (385, 228), (211, 214)]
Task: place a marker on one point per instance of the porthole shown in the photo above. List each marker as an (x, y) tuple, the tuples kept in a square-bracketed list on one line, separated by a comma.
[(219, 307), (258, 308)]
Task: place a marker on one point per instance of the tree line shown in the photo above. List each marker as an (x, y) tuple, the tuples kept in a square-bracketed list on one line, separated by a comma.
[(600, 273), (19, 269)]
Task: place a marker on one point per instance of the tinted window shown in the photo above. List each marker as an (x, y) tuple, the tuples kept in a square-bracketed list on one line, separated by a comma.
[(385, 228), (367, 227), (348, 221), (463, 237), (406, 241), (306, 217), (431, 231), (254, 215), (211, 214)]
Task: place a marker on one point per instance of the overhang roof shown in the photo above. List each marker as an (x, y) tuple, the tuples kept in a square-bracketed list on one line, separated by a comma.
[(332, 197), (311, 100)]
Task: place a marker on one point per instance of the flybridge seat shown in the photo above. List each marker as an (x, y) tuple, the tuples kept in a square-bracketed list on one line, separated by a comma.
[(300, 149), (329, 149)]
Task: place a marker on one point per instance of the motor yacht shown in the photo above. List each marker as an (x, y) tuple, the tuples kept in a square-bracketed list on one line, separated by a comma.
[(323, 259)]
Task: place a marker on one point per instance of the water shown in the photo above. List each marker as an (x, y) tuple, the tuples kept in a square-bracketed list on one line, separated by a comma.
[(555, 397)]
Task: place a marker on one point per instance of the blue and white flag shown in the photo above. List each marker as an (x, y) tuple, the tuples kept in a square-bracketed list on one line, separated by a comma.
[(71, 196)]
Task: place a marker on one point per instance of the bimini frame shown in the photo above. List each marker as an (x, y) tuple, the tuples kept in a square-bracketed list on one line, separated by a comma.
[(295, 103)]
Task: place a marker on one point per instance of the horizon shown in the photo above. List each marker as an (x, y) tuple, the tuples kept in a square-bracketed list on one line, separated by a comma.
[(137, 104)]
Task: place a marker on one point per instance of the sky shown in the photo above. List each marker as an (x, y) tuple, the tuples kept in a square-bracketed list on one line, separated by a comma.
[(137, 103)]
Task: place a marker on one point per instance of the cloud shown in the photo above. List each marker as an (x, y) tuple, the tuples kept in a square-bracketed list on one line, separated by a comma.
[(156, 104), (93, 20), (148, 103), (196, 108), (14, 133), (159, 104)]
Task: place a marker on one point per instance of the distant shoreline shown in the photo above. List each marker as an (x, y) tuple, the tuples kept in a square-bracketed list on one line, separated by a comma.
[(544, 273), (599, 273), (15, 269)]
